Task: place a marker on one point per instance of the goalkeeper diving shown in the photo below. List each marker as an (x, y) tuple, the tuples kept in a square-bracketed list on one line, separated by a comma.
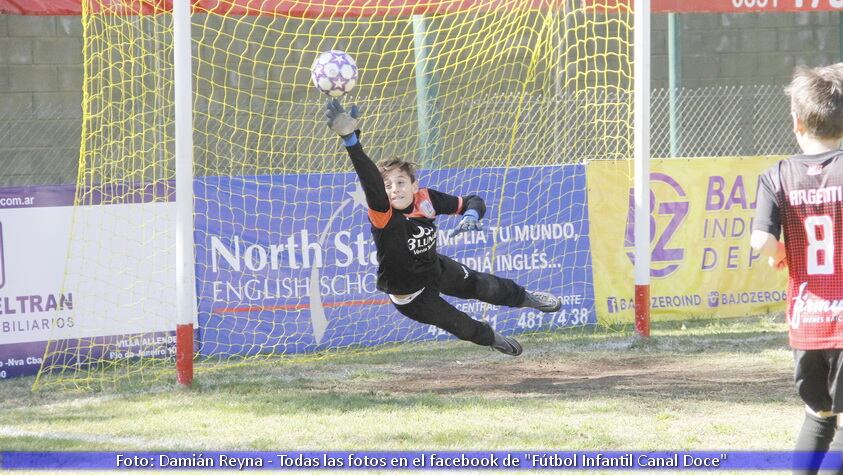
[(410, 270)]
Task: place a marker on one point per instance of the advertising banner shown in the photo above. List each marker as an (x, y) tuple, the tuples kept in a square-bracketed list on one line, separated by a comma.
[(700, 223), (116, 279), (287, 263)]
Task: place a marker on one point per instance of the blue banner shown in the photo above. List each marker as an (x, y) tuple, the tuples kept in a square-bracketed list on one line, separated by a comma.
[(424, 460), (286, 264)]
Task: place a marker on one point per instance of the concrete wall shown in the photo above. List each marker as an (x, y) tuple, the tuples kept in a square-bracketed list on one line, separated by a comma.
[(40, 99), (746, 48), (41, 75)]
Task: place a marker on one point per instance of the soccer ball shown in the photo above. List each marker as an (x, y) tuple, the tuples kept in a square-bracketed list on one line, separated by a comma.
[(334, 73)]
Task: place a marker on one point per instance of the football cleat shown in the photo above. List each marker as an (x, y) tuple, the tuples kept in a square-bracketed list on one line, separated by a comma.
[(544, 301), (507, 345)]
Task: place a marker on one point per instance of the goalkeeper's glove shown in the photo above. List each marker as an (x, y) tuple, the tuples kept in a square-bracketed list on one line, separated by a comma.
[(470, 222), (342, 122)]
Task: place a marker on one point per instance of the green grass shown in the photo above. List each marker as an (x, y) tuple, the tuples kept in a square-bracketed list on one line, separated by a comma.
[(693, 385)]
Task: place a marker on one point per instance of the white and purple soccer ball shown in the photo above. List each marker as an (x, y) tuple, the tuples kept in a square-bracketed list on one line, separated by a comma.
[(334, 73)]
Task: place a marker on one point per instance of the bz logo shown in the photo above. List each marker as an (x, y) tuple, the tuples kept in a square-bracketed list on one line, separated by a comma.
[(663, 260)]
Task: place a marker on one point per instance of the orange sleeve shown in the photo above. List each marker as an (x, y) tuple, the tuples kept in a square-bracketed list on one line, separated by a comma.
[(380, 219)]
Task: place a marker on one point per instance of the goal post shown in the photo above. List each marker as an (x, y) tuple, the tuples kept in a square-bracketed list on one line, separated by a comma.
[(186, 309), (641, 186)]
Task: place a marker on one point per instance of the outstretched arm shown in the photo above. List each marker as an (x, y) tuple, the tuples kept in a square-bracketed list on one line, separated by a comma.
[(370, 178), (345, 125)]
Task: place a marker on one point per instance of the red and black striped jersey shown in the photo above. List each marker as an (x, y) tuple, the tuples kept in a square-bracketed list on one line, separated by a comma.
[(803, 197)]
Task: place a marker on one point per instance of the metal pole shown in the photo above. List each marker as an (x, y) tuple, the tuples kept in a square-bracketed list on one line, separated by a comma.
[(185, 268), (674, 61), (427, 92), (641, 137)]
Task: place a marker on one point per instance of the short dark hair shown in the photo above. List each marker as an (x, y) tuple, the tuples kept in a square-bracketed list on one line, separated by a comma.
[(816, 97), (388, 164)]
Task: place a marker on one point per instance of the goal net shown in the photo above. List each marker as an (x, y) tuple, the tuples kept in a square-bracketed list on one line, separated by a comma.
[(504, 99)]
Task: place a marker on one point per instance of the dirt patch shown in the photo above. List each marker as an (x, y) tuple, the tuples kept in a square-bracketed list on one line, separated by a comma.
[(696, 376)]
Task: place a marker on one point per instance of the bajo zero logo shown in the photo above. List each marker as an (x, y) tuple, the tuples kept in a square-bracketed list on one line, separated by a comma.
[(664, 260)]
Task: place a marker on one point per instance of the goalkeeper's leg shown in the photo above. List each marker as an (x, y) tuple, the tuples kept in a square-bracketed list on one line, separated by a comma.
[(461, 281), (429, 307)]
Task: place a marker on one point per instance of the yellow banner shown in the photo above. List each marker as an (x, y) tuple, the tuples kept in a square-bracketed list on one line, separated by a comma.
[(701, 220)]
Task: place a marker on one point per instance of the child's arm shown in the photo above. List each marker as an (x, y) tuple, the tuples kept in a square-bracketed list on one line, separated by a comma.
[(766, 226), (345, 125), (444, 203), (370, 178), (471, 207), (768, 246)]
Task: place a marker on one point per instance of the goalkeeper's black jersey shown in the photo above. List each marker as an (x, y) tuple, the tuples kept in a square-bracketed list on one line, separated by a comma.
[(405, 240)]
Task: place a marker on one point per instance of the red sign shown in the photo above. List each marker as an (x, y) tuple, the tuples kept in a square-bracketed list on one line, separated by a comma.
[(744, 6)]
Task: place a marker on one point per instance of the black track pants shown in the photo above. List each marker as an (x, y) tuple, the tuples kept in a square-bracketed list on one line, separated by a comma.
[(458, 280)]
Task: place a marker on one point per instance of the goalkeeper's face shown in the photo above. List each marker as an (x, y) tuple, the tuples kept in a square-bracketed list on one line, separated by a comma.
[(400, 188)]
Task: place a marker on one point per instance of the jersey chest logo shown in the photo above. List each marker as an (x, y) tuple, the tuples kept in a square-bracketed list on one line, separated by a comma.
[(422, 240)]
